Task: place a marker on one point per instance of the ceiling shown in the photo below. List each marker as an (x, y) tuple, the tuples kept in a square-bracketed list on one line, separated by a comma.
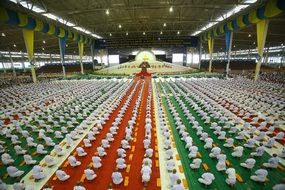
[(136, 17)]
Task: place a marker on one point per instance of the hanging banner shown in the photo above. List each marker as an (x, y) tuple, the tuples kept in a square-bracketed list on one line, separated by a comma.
[(81, 48), (62, 45), (29, 42), (228, 36), (211, 45), (262, 28)]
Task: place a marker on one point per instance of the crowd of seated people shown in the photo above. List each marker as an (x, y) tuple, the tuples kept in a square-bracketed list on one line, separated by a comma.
[(36, 118), (7, 82), (247, 113)]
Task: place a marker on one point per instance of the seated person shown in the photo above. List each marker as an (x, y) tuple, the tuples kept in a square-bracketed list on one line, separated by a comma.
[(61, 175), (73, 162)]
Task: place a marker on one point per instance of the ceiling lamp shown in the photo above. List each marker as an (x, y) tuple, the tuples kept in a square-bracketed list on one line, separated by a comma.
[(3, 34), (120, 26), (171, 9), (107, 12), (164, 25)]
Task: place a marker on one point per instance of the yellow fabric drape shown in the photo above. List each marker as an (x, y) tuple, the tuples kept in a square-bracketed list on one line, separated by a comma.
[(271, 9), (51, 29), (81, 49), (23, 19), (39, 25), (261, 29), (29, 42)]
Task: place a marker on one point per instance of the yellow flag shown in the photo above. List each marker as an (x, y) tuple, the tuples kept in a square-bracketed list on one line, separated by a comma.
[(29, 42)]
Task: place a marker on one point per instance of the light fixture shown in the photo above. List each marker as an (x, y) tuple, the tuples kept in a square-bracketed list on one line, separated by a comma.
[(110, 34), (161, 32), (281, 44), (127, 33), (249, 35), (164, 25), (66, 45), (44, 41), (171, 9), (120, 26), (234, 45), (15, 45), (254, 43), (107, 12), (143, 33), (3, 34), (178, 32), (43, 48)]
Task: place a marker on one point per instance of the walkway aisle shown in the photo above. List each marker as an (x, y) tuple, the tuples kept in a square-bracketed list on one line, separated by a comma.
[(103, 174), (133, 177)]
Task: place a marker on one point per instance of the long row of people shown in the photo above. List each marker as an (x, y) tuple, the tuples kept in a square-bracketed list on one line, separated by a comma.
[(175, 181), (96, 159)]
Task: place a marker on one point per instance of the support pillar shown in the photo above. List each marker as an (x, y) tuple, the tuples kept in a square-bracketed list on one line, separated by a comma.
[(50, 58), (12, 64), (200, 53), (211, 47), (92, 55), (266, 56), (23, 62), (62, 45), (81, 49), (261, 28)]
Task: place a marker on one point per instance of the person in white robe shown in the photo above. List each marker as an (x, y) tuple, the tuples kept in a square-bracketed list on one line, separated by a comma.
[(193, 150), (7, 159), (96, 161), (215, 152), (79, 186), (73, 162), (58, 150), (19, 150), (258, 151), (170, 165), (231, 179), (14, 172), (121, 163), (272, 162), (229, 142), (196, 163), (41, 149), (38, 173), (259, 175), (61, 175), (207, 178), (248, 163), (29, 160), (90, 174), (30, 142), (87, 143), (178, 185), (49, 160), (238, 151), (173, 178), (146, 172), (101, 151), (221, 165), (80, 151), (117, 177)]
